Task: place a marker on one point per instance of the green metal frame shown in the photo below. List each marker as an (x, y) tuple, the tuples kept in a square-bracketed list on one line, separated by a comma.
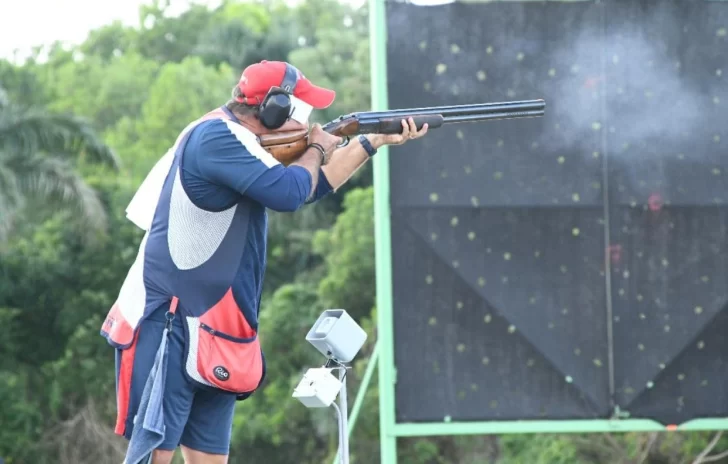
[(390, 430)]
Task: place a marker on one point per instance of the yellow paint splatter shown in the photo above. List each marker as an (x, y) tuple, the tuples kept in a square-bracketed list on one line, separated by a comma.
[(489, 50), (454, 49), (441, 68), (575, 197), (561, 160), (471, 235), (552, 72), (598, 362), (423, 45), (487, 318), (596, 126), (485, 361), (511, 329), (461, 347), (459, 305), (467, 169), (701, 345), (507, 256), (722, 32), (474, 201), (429, 280), (433, 321), (698, 310), (575, 231), (434, 197), (520, 56), (498, 175), (482, 75), (454, 221), (641, 347), (428, 86), (481, 281), (456, 264), (433, 236)]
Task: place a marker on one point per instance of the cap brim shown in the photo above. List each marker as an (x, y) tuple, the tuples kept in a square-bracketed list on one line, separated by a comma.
[(318, 97)]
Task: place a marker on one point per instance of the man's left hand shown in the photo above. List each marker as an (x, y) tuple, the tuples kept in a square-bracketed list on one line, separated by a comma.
[(409, 132)]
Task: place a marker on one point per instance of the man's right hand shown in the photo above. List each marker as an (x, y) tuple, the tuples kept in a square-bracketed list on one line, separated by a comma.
[(323, 138)]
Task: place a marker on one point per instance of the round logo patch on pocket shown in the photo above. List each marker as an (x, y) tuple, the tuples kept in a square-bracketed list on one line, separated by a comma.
[(221, 373)]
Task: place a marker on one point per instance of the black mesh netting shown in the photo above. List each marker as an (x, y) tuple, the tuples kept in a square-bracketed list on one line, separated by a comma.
[(561, 266)]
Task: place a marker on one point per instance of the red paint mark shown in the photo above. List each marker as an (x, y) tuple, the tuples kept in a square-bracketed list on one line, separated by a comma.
[(655, 202), (615, 253), (591, 82), (671, 427)]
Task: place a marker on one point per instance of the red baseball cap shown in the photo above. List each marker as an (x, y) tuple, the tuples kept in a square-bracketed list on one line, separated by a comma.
[(257, 79)]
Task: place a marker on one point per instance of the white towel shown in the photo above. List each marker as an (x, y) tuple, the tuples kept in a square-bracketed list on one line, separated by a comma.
[(142, 206)]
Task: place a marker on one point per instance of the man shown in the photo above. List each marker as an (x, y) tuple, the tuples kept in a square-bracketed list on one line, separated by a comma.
[(185, 324)]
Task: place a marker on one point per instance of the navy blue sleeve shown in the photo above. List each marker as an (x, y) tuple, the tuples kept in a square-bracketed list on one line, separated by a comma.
[(229, 156), (323, 188)]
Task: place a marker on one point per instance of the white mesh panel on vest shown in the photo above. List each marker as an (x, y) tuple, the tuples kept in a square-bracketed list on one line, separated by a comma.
[(194, 234)]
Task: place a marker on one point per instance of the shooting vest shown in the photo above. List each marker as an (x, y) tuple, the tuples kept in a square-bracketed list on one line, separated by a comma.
[(189, 258)]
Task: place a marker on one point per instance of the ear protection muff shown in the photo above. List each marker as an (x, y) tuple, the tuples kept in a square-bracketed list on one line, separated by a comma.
[(276, 107)]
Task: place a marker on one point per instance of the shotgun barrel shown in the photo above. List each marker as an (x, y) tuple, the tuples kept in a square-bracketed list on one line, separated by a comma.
[(389, 122)]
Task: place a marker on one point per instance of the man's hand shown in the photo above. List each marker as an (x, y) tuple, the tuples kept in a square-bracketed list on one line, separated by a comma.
[(327, 141), (409, 132)]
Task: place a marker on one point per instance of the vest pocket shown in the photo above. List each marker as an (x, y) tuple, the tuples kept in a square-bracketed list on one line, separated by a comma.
[(217, 359)]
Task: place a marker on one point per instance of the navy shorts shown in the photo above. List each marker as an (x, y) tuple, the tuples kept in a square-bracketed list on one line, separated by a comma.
[(194, 417)]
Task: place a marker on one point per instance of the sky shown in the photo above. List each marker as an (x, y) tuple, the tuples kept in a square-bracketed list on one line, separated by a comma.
[(27, 23)]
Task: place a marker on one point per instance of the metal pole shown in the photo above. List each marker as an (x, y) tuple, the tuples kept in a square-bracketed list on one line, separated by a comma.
[(344, 426)]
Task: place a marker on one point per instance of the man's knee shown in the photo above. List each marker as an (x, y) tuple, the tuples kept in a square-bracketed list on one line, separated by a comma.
[(198, 457), (162, 457)]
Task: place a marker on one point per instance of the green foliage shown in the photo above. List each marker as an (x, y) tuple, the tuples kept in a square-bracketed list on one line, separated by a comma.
[(348, 249), (38, 153)]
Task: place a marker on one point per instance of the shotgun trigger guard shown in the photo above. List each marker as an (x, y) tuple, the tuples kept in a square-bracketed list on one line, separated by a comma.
[(345, 142)]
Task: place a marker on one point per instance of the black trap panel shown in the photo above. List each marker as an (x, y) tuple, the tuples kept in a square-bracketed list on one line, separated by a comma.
[(561, 267)]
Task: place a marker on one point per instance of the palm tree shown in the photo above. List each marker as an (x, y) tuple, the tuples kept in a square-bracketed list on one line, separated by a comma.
[(38, 155)]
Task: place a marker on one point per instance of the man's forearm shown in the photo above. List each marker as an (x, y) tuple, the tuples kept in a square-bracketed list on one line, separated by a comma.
[(346, 161)]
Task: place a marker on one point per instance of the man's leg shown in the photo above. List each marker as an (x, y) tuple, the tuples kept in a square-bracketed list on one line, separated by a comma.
[(162, 457), (178, 394), (198, 457), (206, 438)]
